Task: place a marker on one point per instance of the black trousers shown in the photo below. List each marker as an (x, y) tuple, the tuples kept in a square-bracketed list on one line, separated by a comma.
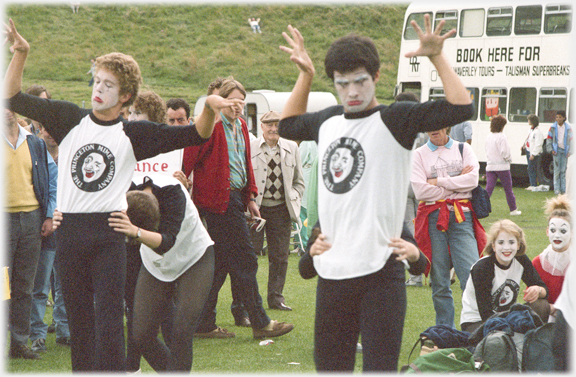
[(235, 255), (92, 260), (373, 306)]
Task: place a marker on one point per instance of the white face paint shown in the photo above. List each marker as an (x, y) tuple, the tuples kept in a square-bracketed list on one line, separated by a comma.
[(356, 90), (505, 248), (106, 91), (93, 167), (341, 164), (559, 234)]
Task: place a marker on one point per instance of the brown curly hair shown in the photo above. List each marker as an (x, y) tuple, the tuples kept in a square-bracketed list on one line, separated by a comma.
[(126, 70), (152, 105), (558, 206)]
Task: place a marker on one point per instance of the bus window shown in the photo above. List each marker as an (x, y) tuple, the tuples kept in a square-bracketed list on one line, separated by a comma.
[(472, 23), (493, 102), (522, 103), (474, 95), (412, 87), (570, 111), (499, 21), (528, 20), (251, 118), (550, 101), (438, 93), (558, 19), (451, 20), (409, 32)]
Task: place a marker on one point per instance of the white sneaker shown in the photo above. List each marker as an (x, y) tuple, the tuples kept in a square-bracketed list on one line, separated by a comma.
[(516, 212), (530, 188), (543, 188), (414, 281)]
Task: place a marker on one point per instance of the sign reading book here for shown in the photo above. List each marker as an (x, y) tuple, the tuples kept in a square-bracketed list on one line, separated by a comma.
[(165, 164)]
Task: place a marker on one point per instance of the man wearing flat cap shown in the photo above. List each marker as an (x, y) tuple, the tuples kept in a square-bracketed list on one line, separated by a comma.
[(280, 182)]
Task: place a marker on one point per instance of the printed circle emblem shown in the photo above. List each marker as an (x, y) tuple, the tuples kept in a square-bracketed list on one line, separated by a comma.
[(93, 167), (343, 165)]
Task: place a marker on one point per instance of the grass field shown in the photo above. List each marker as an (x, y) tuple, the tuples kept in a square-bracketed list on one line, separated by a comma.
[(293, 353)]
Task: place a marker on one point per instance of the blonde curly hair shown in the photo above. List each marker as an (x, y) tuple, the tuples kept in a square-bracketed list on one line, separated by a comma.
[(126, 70), (558, 206), (152, 105)]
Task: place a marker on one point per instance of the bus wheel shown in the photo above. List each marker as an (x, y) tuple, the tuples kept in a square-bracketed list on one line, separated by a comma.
[(545, 169)]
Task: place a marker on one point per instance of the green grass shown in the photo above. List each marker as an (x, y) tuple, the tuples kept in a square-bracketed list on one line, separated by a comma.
[(243, 354), (182, 48)]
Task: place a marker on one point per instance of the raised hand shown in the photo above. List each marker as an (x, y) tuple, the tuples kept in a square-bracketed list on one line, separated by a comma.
[(217, 103), (430, 42), (297, 51), (17, 42)]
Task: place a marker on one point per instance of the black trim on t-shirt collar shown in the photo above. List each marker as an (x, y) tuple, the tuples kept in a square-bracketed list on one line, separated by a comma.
[(501, 266), (363, 114), (104, 122)]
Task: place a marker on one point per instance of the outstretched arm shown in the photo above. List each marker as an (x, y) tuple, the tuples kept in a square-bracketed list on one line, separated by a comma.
[(213, 105), (19, 47), (298, 100), (431, 44)]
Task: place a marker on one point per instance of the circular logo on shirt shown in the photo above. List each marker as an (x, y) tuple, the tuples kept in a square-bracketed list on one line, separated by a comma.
[(93, 167), (505, 295), (343, 165)]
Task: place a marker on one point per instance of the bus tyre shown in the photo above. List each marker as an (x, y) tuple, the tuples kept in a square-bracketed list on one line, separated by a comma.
[(545, 170)]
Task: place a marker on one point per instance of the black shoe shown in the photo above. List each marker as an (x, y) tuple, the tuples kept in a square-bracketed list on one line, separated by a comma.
[(281, 306), (65, 341), (243, 321), (52, 328), (21, 351)]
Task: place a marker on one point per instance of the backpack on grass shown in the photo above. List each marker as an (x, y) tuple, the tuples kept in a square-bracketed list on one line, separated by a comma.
[(453, 360), (501, 350), (537, 354)]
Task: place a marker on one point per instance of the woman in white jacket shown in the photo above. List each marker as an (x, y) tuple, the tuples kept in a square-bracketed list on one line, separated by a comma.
[(498, 162), (533, 145)]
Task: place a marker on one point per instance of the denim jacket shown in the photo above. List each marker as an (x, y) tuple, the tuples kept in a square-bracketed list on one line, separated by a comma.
[(44, 175)]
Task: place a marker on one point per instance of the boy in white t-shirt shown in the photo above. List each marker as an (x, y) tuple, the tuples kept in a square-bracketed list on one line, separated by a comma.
[(364, 152)]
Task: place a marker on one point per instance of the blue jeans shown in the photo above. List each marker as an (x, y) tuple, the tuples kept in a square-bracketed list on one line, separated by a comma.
[(23, 253), (459, 245), (46, 265), (532, 169), (560, 161)]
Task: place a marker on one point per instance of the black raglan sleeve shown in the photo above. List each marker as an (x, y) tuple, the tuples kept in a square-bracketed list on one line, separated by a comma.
[(172, 210), (306, 126), (58, 117), (150, 139), (482, 274), (530, 276), (406, 118)]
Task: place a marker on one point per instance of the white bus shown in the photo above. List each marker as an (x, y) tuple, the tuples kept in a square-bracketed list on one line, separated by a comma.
[(514, 58)]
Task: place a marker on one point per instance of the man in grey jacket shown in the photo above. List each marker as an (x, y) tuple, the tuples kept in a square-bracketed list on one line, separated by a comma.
[(280, 182)]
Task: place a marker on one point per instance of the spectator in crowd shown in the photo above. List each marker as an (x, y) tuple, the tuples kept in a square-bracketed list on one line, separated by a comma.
[(533, 145), (280, 183), (561, 134), (412, 203), (178, 112), (308, 154), (96, 166), (91, 72), (30, 200), (38, 91), (553, 262), (462, 132), (255, 24), (498, 159), (47, 272), (446, 228), (360, 143), (494, 282), (148, 106), (222, 199), (177, 267)]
